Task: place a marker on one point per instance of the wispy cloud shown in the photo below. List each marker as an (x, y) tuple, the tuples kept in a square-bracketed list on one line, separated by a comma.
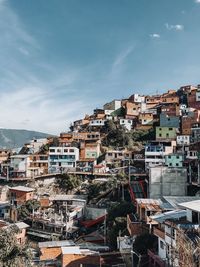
[(28, 99), (155, 35), (123, 55), (176, 27), (197, 1)]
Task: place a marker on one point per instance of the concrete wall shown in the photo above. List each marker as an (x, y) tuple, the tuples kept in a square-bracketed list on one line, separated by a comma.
[(164, 181), (93, 213)]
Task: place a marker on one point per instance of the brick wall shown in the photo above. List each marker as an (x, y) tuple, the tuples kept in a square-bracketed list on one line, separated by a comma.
[(50, 253), (72, 260)]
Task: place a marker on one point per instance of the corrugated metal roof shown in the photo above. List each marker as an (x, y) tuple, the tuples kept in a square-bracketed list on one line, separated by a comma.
[(22, 188), (50, 244), (148, 201), (77, 250), (172, 202), (192, 205), (22, 225), (175, 214), (69, 197)]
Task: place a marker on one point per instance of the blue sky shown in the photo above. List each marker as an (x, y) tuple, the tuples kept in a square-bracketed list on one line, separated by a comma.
[(61, 59)]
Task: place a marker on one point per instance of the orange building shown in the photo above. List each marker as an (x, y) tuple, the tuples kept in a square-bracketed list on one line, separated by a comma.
[(20, 194), (51, 250), (145, 118), (132, 109), (38, 164), (21, 236), (76, 257)]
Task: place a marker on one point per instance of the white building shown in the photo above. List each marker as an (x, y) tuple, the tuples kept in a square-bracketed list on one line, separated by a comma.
[(126, 123), (183, 140), (193, 211), (19, 165), (98, 122), (113, 105), (62, 158), (138, 98), (166, 234), (198, 95), (155, 153), (36, 144)]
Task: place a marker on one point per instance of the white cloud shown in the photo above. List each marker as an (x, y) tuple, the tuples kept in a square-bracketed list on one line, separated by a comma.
[(33, 94), (155, 35), (197, 1), (123, 55), (176, 27)]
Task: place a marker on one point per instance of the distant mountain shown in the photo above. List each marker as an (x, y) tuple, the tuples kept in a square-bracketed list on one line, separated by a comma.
[(12, 138)]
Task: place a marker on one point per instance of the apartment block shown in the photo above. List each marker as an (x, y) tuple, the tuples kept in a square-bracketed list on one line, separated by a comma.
[(62, 159)]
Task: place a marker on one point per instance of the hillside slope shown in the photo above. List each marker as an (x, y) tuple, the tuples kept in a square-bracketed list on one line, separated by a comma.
[(12, 138)]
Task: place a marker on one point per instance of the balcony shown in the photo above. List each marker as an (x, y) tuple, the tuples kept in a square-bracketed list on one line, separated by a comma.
[(158, 232)]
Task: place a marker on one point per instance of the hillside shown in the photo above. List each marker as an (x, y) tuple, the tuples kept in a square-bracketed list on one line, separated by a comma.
[(12, 138)]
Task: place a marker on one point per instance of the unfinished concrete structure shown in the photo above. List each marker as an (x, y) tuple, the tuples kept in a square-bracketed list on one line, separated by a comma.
[(164, 181)]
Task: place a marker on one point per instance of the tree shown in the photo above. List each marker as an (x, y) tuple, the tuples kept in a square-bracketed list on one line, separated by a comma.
[(120, 210), (25, 210), (119, 225), (144, 242), (68, 182), (13, 254)]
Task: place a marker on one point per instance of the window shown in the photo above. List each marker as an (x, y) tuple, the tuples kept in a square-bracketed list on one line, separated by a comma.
[(110, 154), (161, 244), (173, 232), (169, 157), (177, 157), (51, 150), (160, 135), (167, 135), (170, 164), (195, 217), (177, 164), (71, 150), (58, 150), (170, 129)]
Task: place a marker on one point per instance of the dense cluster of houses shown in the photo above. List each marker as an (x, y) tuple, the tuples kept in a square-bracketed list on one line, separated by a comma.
[(164, 180)]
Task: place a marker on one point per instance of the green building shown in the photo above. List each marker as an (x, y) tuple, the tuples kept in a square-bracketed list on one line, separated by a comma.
[(174, 160), (166, 133)]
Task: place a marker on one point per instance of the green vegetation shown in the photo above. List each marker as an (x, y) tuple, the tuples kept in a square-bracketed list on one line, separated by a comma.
[(120, 209), (118, 137), (144, 242), (13, 254), (25, 210), (117, 221), (68, 182), (119, 225), (10, 138)]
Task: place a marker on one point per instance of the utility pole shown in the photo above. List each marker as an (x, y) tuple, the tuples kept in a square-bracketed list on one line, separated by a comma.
[(123, 191), (7, 174), (105, 232)]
